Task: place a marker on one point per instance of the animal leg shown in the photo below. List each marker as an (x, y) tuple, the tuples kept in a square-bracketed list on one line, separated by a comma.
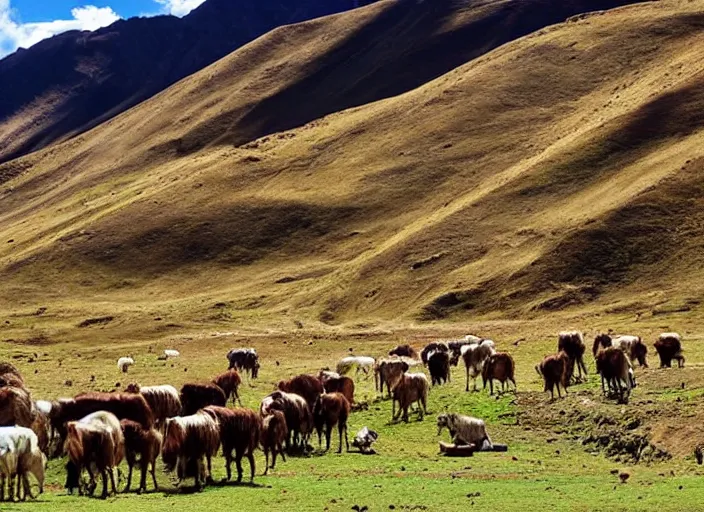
[(145, 469), (328, 433), (104, 476), (112, 480), (266, 460), (209, 475), (238, 463), (228, 463), (281, 452), (129, 478), (156, 486), (466, 387), (250, 458)]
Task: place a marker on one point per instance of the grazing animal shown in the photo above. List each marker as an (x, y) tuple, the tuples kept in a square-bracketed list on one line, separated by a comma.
[(499, 366), (143, 446), (325, 374), (229, 382), (601, 340), (307, 386), (163, 401), (299, 419), (189, 445), (435, 346), (455, 347), (633, 347), (474, 357), (169, 353), (439, 367), (404, 351), (20, 455), (362, 364), (343, 385), (9, 368), (669, 347), (244, 359), (329, 410), (555, 370), (389, 372), (274, 435), (572, 343), (10, 379), (16, 407), (124, 363), (465, 430), (616, 372), (96, 442), (41, 426), (240, 431), (197, 396), (412, 387)]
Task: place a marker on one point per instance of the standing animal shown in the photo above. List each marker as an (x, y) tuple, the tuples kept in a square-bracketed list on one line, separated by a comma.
[(669, 347), (362, 364), (601, 340), (465, 430), (9, 368), (434, 346), (616, 371), (299, 419), (143, 446), (163, 400), (197, 396), (96, 442), (244, 359), (240, 431), (412, 387), (572, 343), (20, 455), (326, 374), (474, 357), (633, 347), (169, 353), (499, 366), (307, 386), (389, 372), (404, 351), (329, 410), (439, 367), (229, 382), (274, 435), (455, 347), (16, 407), (190, 444), (555, 370), (343, 385), (124, 363)]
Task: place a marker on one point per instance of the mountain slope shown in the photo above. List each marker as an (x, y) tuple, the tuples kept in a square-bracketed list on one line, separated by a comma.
[(561, 169), (74, 81)]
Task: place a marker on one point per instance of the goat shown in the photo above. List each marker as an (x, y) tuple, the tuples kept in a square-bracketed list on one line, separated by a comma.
[(343, 385), (240, 431), (435, 346), (163, 401), (145, 443), (404, 351), (16, 407), (189, 440), (474, 357), (616, 371), (633, 347), (245, 359), (19, 455), (499, 366), (555, 370), (601, 340), (307, 386), (361, 363), (439, 367), (229, 382), (412, 387), (572, 343), (329, 410), (199, 395), (299, 419), (274, 435), (465, 430), (389, 371), (669, 347)]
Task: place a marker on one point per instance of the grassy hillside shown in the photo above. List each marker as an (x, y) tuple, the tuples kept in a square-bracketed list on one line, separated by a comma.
[(556, 172)]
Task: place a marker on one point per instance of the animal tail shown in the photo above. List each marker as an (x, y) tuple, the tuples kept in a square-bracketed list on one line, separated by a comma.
[(539, 370)]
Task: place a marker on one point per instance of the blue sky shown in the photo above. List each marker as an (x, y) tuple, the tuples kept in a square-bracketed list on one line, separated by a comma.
[(26, 22)]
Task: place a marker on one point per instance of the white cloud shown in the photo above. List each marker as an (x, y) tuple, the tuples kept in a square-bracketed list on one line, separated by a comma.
[(14, 34), (178, 7)]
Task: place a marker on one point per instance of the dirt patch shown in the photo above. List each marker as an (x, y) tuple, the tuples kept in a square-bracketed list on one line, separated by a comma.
[(96, 321)]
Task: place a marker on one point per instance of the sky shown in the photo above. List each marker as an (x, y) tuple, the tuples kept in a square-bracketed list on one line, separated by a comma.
[(26, 22)]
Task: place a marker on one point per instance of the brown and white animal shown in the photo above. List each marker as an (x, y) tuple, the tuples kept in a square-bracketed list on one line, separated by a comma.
[(96, 442), (240, 431), (572, 343), (16, 407), (244, 359), (499, 366), (299, 418), (439, 367), (329, 410), (389, 372), (229, 382), (616, 372), (199, 395), (342, 384), (412, 387), (474, 357), (307, 386), (601, 340), (434, 346), (633, 347), (163, 400), (189, 445), (465, 430), (455, 347), (9, 368), (274, 435), (555, 371), (19, 456), (404, 351), (141, 446), (669, 347)]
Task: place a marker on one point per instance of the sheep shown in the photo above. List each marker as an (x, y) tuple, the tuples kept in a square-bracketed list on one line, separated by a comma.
[(412, 387), (474, 357), (404, 351), (306, 386), (274, 435), (669, 347), (439, 367), (197, 396), (361, 363), (169, 353), (499, 366), (616, 371), (329, 410), (189, 440), (229, 382), (555, 370), (389, 372), (145, 443), (19, 455), (244, 359), (465, 430), (572, 342), (163, 400), (240, 431), (435, 346), (633, 347), (124, 363), (299, 419), (343, 385)]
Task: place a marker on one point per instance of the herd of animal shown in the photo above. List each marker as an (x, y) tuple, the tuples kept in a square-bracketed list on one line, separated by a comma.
[(97, 430)]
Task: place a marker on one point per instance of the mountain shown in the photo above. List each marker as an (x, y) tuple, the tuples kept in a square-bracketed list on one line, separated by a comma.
[(559, 172), (72, 82)]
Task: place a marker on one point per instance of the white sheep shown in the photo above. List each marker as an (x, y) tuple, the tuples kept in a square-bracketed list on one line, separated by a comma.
[(124, 363), (465, 430), (362, 363), (169, 352)]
